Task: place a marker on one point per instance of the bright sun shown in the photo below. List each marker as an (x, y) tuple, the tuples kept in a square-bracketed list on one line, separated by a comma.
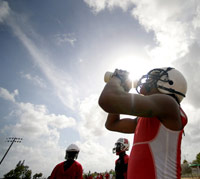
[(135, 65), (129, 58), (132, 59)]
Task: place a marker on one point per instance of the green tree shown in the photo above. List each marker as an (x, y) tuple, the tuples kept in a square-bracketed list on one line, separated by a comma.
[(20, 172), (194, 162), (185, 168), (198, 158)]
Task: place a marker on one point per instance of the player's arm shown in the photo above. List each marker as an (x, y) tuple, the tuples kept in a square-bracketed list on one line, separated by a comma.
[(125, 125), (114, 99), (79, 174)]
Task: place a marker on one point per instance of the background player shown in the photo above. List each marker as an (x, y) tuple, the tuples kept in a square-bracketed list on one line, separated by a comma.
[(121, 164), (69, 168)]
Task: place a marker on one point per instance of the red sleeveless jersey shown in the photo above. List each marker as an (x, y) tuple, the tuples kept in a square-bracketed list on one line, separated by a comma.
[(156, 151)]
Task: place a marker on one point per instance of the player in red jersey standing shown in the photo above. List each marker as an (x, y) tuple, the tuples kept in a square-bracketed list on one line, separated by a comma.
[(121, 164), (107, 176), (70, 168), (159, 122)]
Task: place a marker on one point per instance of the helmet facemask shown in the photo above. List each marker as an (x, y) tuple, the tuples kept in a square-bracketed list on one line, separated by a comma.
[(118, 148), (149, 81), (71, 155), (121, 145)]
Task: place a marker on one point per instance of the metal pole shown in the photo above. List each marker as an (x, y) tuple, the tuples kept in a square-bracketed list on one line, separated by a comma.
[(14, 139)]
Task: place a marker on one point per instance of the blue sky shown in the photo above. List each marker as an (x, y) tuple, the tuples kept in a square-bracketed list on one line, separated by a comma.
[(54, 55)]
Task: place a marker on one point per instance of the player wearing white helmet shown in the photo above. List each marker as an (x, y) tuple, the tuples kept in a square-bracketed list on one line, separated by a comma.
[(166, 80), (121, 164), (159, 122), (69, 168), (72, 152)]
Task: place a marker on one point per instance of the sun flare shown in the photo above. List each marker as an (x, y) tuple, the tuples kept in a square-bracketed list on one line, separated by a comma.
[(134, 65), (135, 61)]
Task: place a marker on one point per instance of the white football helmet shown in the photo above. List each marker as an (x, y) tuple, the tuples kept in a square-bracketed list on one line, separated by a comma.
[(72, 150), (121, 145), (167, 80)]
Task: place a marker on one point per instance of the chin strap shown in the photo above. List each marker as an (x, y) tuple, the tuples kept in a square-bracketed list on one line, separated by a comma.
[(171, 90)]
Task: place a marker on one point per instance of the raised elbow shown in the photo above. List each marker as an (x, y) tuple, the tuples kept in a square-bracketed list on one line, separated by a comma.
[(108, 126), (103, 101), (103, 104), (106, 102)]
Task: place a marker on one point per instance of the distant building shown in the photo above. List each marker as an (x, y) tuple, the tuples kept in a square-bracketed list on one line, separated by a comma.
[(195, 168)]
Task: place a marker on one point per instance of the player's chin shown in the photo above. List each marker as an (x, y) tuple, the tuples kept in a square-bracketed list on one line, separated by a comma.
[(143, 90)]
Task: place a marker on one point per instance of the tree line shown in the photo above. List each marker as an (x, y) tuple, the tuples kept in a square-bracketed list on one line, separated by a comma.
[(186, 167)]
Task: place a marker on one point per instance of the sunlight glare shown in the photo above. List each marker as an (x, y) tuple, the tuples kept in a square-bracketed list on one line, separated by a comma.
[(136, 68), (133, 60)]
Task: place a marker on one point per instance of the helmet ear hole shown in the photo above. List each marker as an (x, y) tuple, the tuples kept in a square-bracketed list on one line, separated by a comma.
[(174, 84), (171, 82)]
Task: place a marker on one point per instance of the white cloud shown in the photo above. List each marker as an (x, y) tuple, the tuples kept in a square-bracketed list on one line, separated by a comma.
[(95, 153), (35, 120), (99, 5), (96, 5), (171, 24), (8, 96), (190, 66), (196, 19), (65, 38), (190, 143), (4, 10), (91, 124), (35, 79)]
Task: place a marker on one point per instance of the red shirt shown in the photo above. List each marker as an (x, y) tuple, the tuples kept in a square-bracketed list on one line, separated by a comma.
[(121, 165), (107, 176), (75, 171), (156, 152)]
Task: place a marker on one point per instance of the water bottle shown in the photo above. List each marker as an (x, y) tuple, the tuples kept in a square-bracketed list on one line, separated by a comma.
[(108, 75)]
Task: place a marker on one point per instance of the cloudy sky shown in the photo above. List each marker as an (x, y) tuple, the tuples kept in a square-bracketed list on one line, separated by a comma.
[(54, 55)]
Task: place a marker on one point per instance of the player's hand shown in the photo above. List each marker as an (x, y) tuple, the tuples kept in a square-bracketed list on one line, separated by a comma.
[(124, 77)]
